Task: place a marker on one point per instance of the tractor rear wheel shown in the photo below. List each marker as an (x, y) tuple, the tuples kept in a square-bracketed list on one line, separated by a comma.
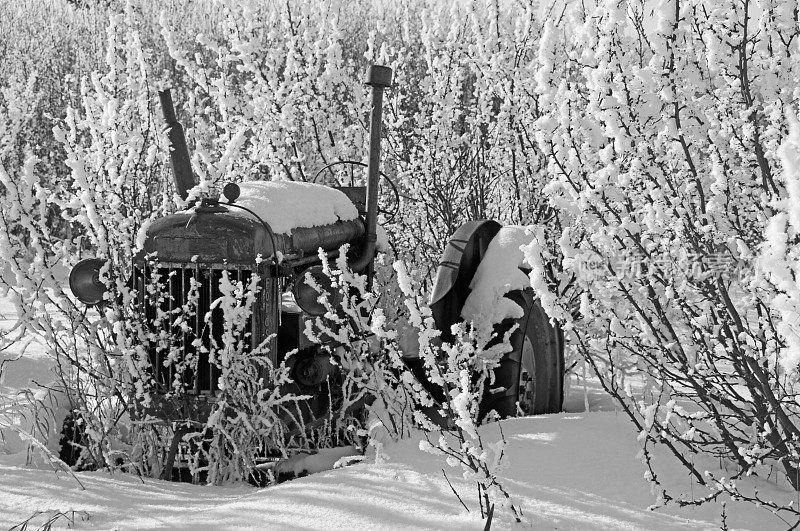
[(73, 434), (532, 373)]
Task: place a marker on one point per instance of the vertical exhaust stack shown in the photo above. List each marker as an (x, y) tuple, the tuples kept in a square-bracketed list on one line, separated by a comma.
[(379, 78), (179, 153)]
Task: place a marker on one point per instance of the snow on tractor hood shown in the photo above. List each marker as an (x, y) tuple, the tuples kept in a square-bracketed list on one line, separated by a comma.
[(287, 205), (302, 216)]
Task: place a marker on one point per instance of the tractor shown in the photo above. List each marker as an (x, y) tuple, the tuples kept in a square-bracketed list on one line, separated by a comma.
[(239, 236)]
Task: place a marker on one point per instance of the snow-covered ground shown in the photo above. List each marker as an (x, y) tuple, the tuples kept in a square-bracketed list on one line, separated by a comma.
[(574, 470)]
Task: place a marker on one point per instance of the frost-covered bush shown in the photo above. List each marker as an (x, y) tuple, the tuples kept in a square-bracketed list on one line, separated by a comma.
[(29, 257), (373, 339), (279, 90), (661, 125), (114, 150), (656, 146), (448, 399), (49, 43), (274, 91), (267, 91)]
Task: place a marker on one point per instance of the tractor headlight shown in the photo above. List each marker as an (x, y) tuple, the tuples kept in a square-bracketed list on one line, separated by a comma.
[(311, 285), (84, 281), (312, 370)]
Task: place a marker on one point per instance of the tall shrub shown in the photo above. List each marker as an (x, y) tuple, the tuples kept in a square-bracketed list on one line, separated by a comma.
[(661, 126)]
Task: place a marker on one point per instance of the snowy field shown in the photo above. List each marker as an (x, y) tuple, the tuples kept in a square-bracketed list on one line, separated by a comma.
[(575, 470)]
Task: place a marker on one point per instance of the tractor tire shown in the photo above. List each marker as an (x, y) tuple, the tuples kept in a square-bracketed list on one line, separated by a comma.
[(72, 434), (532, 373)]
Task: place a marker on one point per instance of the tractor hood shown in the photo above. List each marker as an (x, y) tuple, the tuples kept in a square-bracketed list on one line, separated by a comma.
[(302, 217), (216, 237)]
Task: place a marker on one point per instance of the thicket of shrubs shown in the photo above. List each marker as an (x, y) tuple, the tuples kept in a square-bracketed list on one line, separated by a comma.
[(641, 144)]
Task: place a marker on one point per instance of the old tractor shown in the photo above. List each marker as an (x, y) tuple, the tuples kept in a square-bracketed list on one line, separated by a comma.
[(194, 247)]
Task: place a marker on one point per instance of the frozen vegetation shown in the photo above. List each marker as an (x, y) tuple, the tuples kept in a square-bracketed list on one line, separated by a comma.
[(576, 470), (643, 158)]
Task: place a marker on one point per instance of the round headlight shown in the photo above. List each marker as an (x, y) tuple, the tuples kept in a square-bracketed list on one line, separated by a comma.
[(307, 296), (84, 281)]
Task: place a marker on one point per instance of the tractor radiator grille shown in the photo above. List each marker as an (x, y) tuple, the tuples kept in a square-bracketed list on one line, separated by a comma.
[(175, 301)]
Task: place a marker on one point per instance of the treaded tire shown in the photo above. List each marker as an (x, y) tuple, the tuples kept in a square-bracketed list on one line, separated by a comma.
[(547, 342), (71, 432)]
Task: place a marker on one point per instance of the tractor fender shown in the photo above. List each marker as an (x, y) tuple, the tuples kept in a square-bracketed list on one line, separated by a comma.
[(464, 251)]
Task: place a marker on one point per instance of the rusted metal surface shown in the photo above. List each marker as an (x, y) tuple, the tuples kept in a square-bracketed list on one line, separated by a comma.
[(357, 195), (328, 237), (179, 154), (203, 322), (219, 237), (198, 247), (379, 78), (458, 264)]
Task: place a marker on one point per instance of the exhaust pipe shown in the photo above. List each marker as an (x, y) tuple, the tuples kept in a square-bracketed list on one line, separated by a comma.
[(379, 78), (179, 152)]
